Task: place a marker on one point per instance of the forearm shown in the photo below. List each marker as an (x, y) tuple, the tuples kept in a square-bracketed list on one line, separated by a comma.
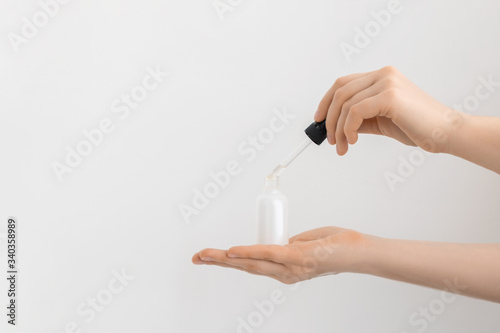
[(468, 269), (477, 139)]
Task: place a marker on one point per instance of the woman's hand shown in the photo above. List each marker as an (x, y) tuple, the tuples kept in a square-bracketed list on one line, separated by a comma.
[(468, 269), (323, 251), (385, 102)]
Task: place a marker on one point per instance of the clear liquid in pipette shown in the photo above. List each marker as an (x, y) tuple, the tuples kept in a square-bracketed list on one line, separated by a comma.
[(276, 172), (289, 159)]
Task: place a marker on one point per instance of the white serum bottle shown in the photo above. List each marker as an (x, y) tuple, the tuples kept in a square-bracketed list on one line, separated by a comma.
[(272, 205), (272, 214)]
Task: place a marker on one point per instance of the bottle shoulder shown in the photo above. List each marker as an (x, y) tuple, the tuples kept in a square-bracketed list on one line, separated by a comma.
[(274, 195)]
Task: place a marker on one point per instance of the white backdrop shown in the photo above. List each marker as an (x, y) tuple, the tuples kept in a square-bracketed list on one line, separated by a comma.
[(116, 211)]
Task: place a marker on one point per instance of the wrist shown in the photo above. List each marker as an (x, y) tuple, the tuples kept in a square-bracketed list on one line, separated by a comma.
[(458, 122), (358, 248), (364, 254)]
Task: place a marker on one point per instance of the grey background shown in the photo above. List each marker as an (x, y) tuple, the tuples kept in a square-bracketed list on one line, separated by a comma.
[(120, 208)]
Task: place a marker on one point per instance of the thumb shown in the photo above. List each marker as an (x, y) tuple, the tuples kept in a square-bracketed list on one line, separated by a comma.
[(313, 234)]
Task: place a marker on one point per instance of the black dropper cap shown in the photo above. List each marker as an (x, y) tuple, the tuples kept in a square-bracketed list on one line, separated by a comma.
[(317, 132)]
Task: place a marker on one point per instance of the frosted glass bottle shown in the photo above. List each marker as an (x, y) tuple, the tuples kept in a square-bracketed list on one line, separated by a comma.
[(272, 214)]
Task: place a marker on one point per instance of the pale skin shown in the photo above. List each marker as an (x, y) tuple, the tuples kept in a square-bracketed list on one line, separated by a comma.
[(385, 102)]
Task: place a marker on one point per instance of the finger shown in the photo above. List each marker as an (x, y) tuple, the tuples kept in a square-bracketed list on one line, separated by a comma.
[(342, 95), (368, 108), (221, 264), (196, 259), (313, 234), (373, 125), (327, 99), (390, 129), (275, 253), (340, 137), (370, 126), (250, 265)]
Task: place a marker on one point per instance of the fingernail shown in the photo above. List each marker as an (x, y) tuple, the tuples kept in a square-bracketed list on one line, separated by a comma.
[(339, 151), (207, 259), (232, 255), (198, 262)]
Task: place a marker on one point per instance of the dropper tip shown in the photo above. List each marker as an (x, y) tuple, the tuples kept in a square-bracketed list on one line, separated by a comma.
[(276, 172)]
